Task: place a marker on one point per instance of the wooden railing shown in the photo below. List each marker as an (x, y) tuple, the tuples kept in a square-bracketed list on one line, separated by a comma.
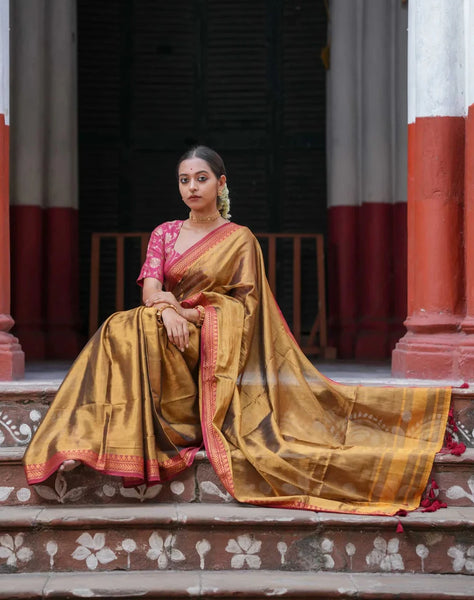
[(310, 345)]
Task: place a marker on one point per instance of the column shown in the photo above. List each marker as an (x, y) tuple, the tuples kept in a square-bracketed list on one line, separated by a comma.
[(11, 355), (28, 173), (435, 192), (376, 189), (466, 349), (343, 175), (44, 177), (399, 174), (366, 138), (61, 197)]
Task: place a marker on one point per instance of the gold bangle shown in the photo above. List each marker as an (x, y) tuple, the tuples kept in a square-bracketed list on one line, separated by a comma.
[(159, 312), (202, 313)]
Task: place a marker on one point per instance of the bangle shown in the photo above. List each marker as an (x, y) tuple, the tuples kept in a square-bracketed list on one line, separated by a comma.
[(159, 312), (202, 313)]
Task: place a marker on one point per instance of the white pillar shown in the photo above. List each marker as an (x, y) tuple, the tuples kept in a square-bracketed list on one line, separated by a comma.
[(28, 102), (61, 168)]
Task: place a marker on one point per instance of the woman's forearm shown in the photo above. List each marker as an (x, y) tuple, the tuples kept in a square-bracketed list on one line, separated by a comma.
[(150, 286)]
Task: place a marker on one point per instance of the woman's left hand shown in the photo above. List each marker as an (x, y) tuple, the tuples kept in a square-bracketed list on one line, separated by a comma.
[(163, 298)]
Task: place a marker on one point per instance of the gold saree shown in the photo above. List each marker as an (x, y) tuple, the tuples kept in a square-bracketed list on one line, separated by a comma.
[(276, 431)]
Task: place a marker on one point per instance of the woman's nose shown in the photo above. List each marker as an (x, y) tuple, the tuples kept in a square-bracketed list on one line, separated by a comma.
[(193, 184)]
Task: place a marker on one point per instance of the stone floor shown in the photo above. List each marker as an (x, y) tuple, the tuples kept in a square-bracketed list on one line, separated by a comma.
[(48, 375)]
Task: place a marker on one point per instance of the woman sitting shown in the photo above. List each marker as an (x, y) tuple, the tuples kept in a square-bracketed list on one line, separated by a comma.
[(209, 360)]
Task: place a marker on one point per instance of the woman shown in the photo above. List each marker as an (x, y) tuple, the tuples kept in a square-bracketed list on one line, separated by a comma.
[(208, 359)]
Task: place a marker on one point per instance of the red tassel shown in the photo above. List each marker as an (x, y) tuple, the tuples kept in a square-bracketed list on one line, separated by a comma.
[(458, 449), (436, 505), (425, 502), (434, 485), (400, 528), (464, 386), (401, 513)]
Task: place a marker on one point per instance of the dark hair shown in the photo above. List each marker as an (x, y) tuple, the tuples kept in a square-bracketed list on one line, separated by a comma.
[(213, 159)]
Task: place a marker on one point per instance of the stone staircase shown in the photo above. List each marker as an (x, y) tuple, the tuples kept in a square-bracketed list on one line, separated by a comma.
[(82, 535)]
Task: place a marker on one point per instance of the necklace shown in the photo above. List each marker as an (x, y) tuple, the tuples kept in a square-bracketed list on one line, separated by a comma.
[(213, 217)]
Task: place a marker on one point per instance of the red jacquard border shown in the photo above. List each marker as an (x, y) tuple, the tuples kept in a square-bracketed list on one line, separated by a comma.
[(212, 441), (131, 468)]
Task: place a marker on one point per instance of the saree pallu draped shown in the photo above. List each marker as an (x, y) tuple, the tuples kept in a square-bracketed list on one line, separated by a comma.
[(276, 431)]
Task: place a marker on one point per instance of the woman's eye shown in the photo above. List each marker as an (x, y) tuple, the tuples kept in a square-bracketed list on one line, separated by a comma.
[(183, 180), (202, 178)]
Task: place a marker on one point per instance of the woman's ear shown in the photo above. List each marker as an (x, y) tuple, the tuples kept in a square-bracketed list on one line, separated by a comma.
[(222, 181)]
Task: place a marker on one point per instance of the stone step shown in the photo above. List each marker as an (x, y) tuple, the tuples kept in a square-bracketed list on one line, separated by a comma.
[(227, 585), (232, 537), (454, 476), (23, 405)]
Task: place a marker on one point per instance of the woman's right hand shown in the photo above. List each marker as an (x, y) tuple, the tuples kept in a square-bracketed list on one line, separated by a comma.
[(176, 328)]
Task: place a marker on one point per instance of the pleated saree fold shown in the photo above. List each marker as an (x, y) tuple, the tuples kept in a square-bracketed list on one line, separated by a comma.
[(276, 431)]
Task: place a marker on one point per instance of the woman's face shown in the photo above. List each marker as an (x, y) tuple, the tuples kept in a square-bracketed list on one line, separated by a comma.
[(198, 185)]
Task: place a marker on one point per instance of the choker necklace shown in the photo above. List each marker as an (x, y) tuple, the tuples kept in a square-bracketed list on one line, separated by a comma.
[(213, 217)]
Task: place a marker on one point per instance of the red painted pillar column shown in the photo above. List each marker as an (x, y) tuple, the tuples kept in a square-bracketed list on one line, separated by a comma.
[(28, 174), (466, 349), (375, 217), (435, 197), (12, 361), (343, 177), (61, 215)]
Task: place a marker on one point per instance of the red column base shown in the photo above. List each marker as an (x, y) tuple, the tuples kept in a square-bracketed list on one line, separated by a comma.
[(447, 356), (12, 358)]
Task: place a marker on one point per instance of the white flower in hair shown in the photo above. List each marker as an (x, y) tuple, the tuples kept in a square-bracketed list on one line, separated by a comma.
[(223, 202)]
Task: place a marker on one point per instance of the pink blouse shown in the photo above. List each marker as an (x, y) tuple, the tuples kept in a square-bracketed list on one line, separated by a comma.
[(160, 251)]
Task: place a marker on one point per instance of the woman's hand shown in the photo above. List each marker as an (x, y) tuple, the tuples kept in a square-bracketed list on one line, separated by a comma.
[(176, 327), (160, 297)]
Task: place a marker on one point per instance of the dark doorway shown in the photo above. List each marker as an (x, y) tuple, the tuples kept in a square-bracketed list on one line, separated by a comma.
[(243, 76)]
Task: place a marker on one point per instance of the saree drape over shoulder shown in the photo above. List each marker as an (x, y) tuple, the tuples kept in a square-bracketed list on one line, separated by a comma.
[(276, 431)]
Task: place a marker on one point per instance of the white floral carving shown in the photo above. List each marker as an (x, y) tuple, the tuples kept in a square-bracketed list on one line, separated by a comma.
[(350, 550), (177, 487), (202, 548), (325, 548), (164, 551), (23, 494), (385, 555), (14, 431), (13, 550), (141, 492), (60, 492), (211, 488), (108, 490), (51, 549), (423, 552), (93, 550), (463, 557), (129, 546), (456, 491), (282, 548), (245, 550), (35, 415), (5, 493)]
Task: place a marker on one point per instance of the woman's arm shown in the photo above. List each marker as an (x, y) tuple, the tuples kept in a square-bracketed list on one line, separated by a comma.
[(151, 287)]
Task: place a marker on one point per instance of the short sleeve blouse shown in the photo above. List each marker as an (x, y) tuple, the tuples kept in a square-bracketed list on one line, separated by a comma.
[(160, 249)]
